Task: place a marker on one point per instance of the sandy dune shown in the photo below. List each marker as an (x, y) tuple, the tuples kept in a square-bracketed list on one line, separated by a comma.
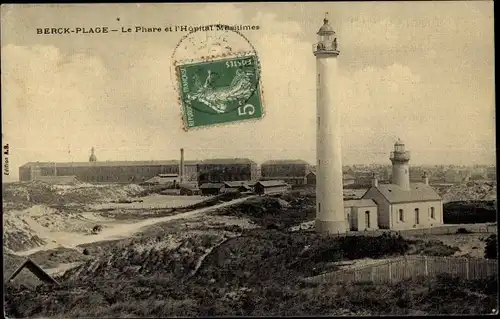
[(117, 231)]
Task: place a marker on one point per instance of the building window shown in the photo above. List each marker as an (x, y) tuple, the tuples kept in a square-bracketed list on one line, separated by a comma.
[(319, 207), (433, 216), (401, 215), (417, 216), (318, 120), (367, 219)]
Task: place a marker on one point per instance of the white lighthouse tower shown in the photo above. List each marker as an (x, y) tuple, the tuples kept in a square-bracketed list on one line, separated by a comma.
[(400, 159), (330, 215)]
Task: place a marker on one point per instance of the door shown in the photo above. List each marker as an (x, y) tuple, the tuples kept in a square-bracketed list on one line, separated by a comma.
[(367, 219)]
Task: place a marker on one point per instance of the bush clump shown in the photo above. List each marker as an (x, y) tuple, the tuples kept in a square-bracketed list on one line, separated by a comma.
[(490, 251), (463, 231), (469, 212)]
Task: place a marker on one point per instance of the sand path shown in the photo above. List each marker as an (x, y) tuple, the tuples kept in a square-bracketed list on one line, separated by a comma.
[(118, 231)]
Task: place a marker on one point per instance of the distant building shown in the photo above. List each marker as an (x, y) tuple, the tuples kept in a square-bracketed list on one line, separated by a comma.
[(456, 176), (211, 188), (363, 177), (224, 170), (237, 186), (294, 172), (491, 173), (105, 172), (212, 170), (346, 179), (189, 189), (270, 187), (163, 179)]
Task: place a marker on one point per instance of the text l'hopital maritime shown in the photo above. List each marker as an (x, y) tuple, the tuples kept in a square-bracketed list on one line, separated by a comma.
[(146, 29)]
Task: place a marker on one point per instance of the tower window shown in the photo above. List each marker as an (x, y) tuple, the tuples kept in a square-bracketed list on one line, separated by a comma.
[(319, 207), (401, 215), (417, 216), (433, 216)]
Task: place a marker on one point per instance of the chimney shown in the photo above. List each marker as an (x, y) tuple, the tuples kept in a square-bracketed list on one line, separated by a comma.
[(374, 180), (181, 168), (425, 178)]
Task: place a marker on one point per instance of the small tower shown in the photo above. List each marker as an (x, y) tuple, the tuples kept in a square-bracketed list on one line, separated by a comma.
[(400, 159), (330, 215), (374, 180), (425, 178), (181, 167), (92, 157)]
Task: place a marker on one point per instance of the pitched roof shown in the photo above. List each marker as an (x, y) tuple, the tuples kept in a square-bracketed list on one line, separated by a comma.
[(189, 185), (160, 180), (61, 180), (36, 270), (418, 192), (236, 183), (211, 185), (221, 161), (109, 163), (344, 176), (359, 203), (285, 162), (272, 183)]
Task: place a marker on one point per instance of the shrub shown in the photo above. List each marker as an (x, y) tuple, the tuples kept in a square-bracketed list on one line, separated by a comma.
[(469, 212), (490, 251), (97, 229), (463, 231)]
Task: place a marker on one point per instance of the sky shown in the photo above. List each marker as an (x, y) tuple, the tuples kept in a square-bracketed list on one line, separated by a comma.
[(419, 71)]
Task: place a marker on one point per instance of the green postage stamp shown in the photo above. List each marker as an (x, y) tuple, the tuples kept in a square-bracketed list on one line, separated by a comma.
[(220, 90)]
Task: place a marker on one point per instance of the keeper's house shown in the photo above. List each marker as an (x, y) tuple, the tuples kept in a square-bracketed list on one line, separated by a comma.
[(401, 204), (361, 214)]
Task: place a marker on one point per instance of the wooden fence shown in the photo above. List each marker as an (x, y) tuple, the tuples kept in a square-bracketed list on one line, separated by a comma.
[(446, 229), (413, 266)]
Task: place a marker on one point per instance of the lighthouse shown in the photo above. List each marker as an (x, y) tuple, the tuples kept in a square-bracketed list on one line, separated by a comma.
[(330, 216), (400, 159)]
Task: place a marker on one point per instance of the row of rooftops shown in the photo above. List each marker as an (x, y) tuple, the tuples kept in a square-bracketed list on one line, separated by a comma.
[(232, 184), (221, 161)]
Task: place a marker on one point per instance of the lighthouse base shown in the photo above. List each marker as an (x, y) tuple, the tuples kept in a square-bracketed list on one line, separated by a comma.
[(330, 226)]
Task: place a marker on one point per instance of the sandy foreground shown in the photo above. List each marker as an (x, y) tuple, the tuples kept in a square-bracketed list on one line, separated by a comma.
[(112, 230)]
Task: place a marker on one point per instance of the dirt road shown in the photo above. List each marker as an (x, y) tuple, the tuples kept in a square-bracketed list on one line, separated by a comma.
[(118, 231)]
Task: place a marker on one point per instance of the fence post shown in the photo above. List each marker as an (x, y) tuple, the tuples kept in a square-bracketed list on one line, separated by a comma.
[(390, 271), (426, 266), (467, 268)]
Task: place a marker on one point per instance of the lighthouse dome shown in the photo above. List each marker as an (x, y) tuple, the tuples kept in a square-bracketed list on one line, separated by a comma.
[(326, 28)]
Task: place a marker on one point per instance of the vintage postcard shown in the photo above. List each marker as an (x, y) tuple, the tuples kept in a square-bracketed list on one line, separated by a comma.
[(249, 159)]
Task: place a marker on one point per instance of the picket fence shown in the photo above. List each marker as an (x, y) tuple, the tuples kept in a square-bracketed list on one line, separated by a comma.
[(412, 266)]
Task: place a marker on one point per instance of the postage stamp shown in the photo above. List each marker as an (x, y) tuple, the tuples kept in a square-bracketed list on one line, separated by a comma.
[(217, 77), (220, 90)]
